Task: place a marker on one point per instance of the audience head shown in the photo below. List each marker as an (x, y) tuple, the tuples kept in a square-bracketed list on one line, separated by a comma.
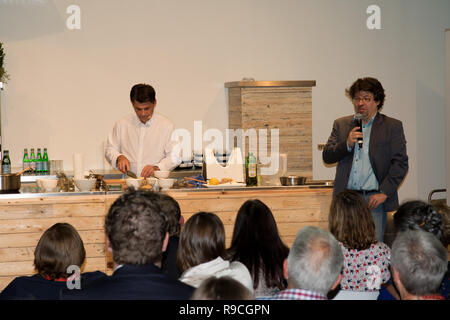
[(444, 210), (315, 261), (350, 220), (136, 228), (223, 288), (257, 244), (171, 209), (59, 247), (419, 262), (201, 240), (419, 215)]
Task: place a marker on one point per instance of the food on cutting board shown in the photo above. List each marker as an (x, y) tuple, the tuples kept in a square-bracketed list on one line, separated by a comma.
[(214, 181), (227, 180)]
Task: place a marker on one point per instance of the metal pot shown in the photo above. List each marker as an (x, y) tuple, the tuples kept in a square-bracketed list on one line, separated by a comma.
[(9, 182), (292, 180)]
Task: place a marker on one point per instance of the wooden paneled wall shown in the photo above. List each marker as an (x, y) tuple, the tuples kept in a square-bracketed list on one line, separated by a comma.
[(22, 222), (288, 109)]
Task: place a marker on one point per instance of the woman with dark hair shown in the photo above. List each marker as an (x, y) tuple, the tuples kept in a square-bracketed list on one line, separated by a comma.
[(415, 215), (201, 252), (224, 288), (366, 261), (59, 252), (257, 244)]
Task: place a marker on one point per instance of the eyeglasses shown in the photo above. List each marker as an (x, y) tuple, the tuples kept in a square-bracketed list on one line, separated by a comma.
[(365, 99)]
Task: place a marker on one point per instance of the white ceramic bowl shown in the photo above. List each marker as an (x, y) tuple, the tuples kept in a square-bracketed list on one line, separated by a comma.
[(161, 174), (152, 181), (166, 184), (85, 184), (47, 185), (135, 183)]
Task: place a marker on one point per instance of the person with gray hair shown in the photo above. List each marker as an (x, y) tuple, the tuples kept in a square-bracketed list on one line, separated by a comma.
[(313, 267), (419, 262)]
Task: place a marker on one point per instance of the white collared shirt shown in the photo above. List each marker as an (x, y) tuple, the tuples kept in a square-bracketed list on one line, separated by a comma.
[(142, 144)]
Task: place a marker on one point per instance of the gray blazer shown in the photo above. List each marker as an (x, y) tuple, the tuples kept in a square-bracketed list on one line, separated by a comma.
[(387, 154)]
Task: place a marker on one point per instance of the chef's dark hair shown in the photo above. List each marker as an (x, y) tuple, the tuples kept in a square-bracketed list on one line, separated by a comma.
[(368, 84), (142, 93)]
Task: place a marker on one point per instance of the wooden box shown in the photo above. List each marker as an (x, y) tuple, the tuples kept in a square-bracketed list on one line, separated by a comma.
[(283, 105)]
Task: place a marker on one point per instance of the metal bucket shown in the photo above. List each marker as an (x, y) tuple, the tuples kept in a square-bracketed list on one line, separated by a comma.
[(292, 180), (9, 182)]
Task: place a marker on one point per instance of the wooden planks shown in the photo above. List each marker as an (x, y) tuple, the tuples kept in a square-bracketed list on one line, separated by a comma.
[(22, 222), (288, 109), (292, 209)]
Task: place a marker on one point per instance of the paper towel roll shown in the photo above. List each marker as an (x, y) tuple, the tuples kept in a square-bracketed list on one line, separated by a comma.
[(78, 166)]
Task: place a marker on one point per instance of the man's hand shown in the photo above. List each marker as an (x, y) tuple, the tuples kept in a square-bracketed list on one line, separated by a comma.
[(148, 171), (123, 164), (376, 199), (353, 136)]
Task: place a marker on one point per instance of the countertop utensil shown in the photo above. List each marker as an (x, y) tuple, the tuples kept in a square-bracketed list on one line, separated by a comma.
[(132, 174), (20, 172), (187, 178)]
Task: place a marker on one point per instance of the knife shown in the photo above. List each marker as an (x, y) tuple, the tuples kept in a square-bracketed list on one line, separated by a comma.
[(131, 174)]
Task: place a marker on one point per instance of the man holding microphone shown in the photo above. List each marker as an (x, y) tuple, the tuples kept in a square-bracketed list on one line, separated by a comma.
[(376, 167)]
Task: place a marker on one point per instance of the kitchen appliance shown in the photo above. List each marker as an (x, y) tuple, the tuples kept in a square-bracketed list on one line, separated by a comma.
[(10, 182)]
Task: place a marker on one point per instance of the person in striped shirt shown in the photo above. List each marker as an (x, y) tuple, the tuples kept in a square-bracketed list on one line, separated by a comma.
[(313, 267)]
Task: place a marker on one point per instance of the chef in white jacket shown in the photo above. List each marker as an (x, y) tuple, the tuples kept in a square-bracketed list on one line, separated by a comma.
[(141, 142)]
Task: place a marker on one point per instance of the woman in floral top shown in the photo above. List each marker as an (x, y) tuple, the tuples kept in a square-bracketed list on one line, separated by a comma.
[(366, 261)]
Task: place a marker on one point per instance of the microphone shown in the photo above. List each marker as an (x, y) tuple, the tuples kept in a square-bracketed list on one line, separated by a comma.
[(358, 120)]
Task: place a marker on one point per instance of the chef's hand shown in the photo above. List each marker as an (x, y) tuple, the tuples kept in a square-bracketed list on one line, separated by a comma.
[(353, 137), (376, 199), (123, 164), (148, 171)]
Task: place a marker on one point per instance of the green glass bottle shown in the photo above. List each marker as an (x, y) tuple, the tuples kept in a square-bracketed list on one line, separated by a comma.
[(26, 160), (32, 161), (251, 167), (45, 168), (6, 162), (39, 162)]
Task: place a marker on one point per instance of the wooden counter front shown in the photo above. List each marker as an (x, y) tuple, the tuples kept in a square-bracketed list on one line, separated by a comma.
[(22, 221)]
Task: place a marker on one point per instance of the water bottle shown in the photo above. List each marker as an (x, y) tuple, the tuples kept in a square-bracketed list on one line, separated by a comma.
[(45, 167), (39, 162), (6, 162), (26, 160)]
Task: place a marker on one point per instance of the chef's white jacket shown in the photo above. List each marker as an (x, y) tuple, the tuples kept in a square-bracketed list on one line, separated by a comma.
[(143, 144)]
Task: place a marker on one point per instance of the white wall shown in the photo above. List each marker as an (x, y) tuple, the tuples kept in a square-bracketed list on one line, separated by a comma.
[(68, 87)]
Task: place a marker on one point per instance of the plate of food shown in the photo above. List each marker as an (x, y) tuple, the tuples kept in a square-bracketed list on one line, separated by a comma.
[(223, 183)]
